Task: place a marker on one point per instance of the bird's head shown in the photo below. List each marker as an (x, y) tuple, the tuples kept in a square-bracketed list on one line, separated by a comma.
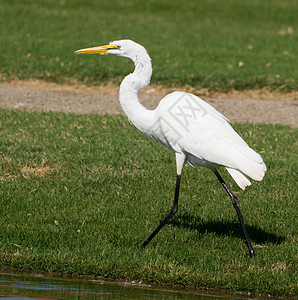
[(125, 48)]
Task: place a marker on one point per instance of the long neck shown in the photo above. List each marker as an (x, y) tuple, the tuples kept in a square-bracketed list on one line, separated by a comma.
[(140, 116)]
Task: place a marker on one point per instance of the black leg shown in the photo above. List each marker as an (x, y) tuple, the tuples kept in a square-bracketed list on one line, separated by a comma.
[(237, 207), (168, 217)]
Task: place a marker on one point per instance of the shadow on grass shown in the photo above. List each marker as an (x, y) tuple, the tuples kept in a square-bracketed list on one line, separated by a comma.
[(234, 229)]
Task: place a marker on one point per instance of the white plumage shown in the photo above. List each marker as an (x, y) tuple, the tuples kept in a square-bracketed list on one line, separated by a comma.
[(186, 124), (206, 138)]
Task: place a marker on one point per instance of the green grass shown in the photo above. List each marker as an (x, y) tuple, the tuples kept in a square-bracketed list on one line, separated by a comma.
[(196, 43), (80, 193)]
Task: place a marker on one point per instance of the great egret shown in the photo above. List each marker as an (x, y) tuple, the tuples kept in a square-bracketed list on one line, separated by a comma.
[(194, 130)]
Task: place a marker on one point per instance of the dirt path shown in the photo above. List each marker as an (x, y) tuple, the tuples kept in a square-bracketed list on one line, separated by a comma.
[(250, 106)]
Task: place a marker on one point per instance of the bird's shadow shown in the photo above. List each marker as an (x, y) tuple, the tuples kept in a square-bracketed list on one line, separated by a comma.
[(227, 228)]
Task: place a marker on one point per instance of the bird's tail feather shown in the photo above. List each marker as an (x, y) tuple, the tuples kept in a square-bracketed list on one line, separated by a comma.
[(249, 165), (239, 177)]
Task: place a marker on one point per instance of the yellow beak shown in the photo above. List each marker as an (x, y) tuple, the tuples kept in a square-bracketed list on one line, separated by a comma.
[(95, 50)]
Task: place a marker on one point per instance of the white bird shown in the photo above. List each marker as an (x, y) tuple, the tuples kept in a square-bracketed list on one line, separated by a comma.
[(193, 129)]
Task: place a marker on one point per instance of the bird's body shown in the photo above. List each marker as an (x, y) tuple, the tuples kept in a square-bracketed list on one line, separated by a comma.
[(186, 124)]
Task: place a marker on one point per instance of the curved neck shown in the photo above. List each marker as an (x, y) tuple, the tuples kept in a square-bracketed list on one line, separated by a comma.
[(140, 116)]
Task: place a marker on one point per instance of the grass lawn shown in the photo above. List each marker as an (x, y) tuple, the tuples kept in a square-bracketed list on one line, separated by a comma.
[(210, 44), (80, 193)]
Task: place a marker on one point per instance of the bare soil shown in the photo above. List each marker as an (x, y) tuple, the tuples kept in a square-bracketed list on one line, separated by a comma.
[(256, 106)]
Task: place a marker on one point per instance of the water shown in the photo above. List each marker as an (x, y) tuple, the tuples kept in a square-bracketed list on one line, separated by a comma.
[(25, 286)]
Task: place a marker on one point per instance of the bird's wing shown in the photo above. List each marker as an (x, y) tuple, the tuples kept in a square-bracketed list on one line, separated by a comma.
[(191, 125), (186, 113)]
